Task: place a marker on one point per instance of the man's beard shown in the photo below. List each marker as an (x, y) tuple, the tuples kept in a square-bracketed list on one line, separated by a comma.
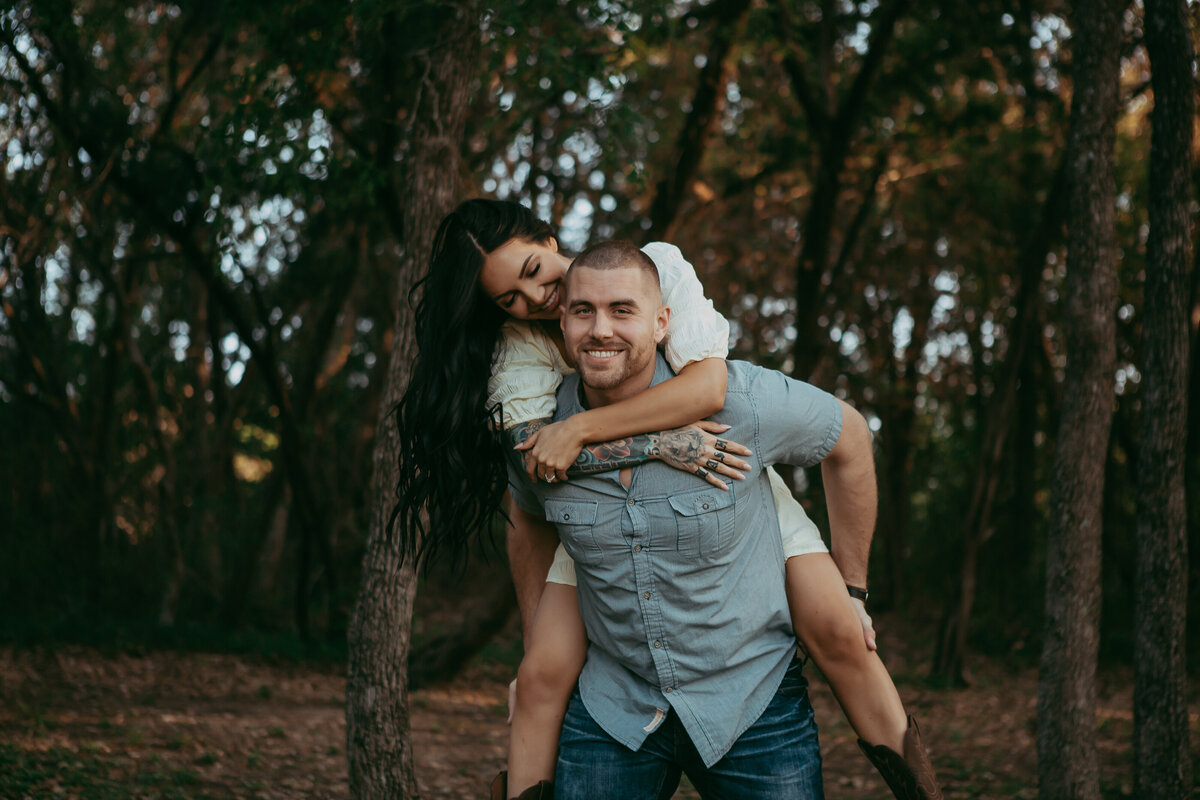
[(614, 374)]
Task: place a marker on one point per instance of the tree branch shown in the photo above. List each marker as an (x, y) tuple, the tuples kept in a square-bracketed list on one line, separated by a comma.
[(706, 105)]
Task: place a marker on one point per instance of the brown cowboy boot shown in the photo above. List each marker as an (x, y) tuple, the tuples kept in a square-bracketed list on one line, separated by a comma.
[(910, 777), (544, 790)]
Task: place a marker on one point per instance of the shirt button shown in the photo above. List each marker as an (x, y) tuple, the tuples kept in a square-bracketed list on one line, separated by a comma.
[(568, 516), (657, 644), (667, 690), (645, 595), (705, 506), (637, 548), (630, 501)]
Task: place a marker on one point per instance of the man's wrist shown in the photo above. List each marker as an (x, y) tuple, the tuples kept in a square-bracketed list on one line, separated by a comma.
[(651, 448)]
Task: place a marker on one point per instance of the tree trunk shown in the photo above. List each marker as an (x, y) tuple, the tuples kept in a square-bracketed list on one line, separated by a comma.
[(706, 107), (1160, 721), (899, 438), (1000, 414), (377, 722), (835, 134), (1067, 763)]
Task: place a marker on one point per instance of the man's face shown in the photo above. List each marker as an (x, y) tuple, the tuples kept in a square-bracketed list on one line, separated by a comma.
[(613, 322)]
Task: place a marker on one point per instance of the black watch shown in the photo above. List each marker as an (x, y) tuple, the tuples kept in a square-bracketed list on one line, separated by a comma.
[(857, 593)]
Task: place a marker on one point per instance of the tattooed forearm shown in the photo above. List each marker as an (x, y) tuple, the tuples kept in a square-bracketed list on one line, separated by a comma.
[(617, 454), (519, 433), (681, 448)]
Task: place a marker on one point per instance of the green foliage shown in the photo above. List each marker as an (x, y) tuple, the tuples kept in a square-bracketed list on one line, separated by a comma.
[(203, 216)]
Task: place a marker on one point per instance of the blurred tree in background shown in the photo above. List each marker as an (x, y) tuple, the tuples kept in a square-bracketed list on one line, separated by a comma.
[(206, 217)]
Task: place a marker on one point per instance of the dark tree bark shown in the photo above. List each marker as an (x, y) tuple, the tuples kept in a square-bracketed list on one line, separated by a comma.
[(1160, 723), (1192, 470), (377, 722), (1067, 764)]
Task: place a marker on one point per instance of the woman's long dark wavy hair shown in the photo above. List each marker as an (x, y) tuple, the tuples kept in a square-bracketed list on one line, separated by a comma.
[(452, 455)]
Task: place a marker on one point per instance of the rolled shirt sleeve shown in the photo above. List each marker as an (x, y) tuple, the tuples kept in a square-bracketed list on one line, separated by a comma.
[(696, 330), (526, 373), (798, 423)]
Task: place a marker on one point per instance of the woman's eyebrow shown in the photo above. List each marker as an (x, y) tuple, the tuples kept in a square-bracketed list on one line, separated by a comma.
[(525, 265)]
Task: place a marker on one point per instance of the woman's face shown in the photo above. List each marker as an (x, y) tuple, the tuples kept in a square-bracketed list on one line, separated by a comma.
[(525, 278)]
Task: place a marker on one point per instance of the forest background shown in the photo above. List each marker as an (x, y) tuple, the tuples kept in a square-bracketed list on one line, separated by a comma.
[(212, 215)]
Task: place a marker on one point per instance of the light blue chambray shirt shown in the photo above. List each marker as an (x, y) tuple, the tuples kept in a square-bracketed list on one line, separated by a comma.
[(680, 584)]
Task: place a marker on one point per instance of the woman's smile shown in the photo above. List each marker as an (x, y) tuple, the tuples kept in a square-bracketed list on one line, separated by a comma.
[(551, 303)]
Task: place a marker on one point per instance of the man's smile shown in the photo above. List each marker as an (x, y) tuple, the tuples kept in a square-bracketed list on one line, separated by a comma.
[(601, 354)]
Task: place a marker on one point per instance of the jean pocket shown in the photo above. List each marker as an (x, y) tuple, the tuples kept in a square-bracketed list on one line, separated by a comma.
[(705, 519), (794, 684)]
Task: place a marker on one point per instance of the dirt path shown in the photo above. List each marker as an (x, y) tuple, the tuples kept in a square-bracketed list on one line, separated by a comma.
[(76, 723)]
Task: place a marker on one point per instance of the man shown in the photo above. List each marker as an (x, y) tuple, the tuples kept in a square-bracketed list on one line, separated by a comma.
[(691, 659)]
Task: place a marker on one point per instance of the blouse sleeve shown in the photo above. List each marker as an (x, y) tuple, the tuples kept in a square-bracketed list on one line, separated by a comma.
[(697, 330), (525, 375)]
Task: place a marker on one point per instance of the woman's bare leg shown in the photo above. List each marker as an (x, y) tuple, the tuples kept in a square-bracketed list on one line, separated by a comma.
[(826, 622), (557, 649)]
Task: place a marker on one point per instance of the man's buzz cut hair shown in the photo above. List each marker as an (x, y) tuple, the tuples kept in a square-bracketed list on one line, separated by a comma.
[(617, 254)]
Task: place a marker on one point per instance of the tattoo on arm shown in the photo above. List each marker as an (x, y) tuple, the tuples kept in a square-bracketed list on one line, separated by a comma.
[(681, 448), (519, 433), (617, 454), (600, 456)]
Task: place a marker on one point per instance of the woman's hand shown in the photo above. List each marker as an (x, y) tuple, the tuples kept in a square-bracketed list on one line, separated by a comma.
[(860, 608), (699, 449), (551, 450)]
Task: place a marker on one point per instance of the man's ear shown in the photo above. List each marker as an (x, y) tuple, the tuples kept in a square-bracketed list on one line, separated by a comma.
[(661, 319)]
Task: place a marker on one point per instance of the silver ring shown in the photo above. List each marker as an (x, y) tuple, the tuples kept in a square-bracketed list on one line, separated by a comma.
[(549, 478)]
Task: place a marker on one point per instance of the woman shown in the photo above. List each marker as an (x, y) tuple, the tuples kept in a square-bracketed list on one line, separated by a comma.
[(490, 360)]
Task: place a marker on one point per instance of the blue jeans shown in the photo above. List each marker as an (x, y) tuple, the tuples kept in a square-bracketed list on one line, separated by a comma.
[(777, 758)]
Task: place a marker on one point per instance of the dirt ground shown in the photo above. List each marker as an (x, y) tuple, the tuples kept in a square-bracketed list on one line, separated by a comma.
[(76, 723)]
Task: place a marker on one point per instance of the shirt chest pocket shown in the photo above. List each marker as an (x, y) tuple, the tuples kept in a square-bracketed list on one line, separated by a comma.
[(575, 520), (705, 520)]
